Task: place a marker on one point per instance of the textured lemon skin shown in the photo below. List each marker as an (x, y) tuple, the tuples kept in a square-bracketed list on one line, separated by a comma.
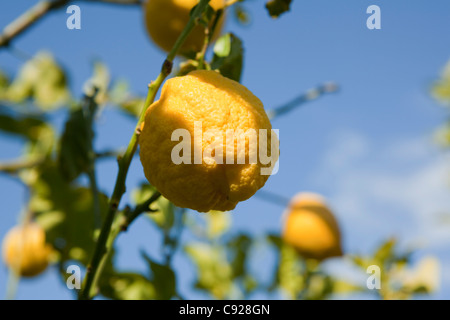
[(311, 227), (219, 103), (166, 19), (25, 250)]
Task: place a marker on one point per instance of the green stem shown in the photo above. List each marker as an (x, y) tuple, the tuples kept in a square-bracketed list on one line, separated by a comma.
[(121, 224), (103, 245), (89, 109)]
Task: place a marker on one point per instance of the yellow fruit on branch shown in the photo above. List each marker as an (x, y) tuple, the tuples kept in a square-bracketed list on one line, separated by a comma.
[(202, 177), (311, 227), (165, 20), (25, 250)]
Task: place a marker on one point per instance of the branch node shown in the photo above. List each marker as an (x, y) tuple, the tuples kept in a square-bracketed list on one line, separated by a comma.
[(167, 67)]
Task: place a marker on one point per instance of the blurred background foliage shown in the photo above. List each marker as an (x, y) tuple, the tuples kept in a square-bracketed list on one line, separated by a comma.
[(53, 165)]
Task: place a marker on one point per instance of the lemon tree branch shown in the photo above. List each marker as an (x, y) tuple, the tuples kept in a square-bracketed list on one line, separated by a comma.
[(28, 18), (38, 11), (310, 95), (103, 245)]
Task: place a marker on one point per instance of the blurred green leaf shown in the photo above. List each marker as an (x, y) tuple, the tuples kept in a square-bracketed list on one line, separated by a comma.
[(290, 272), (98, 82), (443, 135), (385, 252), (217, 223), (214, 274), (241, 14), (65, 211), (239, 247), (127, 286), (39, 134), (278, 7), (207, 16), (228, 56), (27, 127), (4, 84), (441, 89), (163, 279), (41, 79), (343, 287), (75, 146)]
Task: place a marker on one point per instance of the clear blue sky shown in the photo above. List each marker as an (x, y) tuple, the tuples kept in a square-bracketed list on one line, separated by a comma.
[(368, 149)]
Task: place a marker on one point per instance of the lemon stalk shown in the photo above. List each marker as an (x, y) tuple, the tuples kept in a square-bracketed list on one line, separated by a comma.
[(102, 247)]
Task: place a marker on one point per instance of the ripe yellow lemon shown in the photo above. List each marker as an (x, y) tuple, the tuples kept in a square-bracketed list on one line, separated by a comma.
[(198, 104), (311, 227), (25, 250), (166, 19)]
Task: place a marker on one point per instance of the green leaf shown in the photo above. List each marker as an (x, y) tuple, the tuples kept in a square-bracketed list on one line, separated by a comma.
[(98, 82), (441, 89), (228, 56), (41, 79), (275, 240), (27, 127), (239, 247), (39, 134), (163, 279), (4, 84), (207, 16), (242, 15), (290, 272), (278, 7), (127, 286), (214, 274), (74, 153), (442, 136), (65, 211), (385, 252), (218, 223)]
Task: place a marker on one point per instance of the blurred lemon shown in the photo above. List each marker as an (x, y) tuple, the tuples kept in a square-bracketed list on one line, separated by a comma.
[(166, 19), (217, 103), (311, 228), (25, 250)]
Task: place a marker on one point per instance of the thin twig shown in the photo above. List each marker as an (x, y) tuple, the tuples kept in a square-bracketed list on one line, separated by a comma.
[(38, 11), (310, 95), (89, 108), (27, 19), (143, 207), (103, 245), (16, 165), (272, 197)]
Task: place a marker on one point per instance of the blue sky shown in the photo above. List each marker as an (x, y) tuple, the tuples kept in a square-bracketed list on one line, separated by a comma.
[(368, 149)]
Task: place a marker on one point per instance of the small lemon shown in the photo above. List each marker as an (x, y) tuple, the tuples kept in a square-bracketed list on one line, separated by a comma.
[(166, 19), (25, 250), (311, 227), (216, 103)]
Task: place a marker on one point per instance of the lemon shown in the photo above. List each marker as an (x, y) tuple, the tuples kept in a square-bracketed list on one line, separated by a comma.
[(216, 103), (25, 250), (311, 227), (166, 19)]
